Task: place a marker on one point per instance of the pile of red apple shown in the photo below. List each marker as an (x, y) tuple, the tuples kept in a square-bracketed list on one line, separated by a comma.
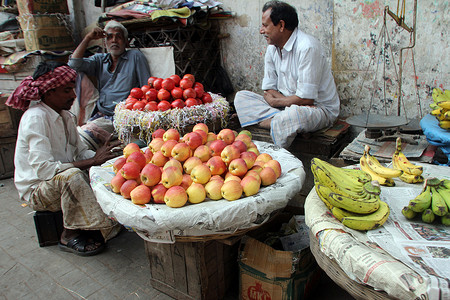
[(169, 93), (175, 170)]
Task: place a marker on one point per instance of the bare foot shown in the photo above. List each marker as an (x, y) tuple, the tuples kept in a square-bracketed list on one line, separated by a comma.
[(266, 123)]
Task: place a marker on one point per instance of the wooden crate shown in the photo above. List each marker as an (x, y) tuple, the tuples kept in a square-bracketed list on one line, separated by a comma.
[(7, 147), (193, 270)]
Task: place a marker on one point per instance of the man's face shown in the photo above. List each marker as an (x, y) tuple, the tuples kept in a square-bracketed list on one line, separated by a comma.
[(270, 31), (61, 98), (115, 41)]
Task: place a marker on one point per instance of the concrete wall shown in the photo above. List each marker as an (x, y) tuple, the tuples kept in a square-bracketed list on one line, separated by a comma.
[(351, 32)]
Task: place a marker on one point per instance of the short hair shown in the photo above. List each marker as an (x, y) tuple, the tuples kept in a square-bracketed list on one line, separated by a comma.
[(282, 11), (116, 25)]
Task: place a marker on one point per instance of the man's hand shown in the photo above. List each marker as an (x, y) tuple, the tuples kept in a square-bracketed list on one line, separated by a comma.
[(276, 99), (95, 34), (107, 151)]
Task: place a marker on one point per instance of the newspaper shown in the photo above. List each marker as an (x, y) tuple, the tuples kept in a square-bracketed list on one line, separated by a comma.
[(160, 223), (382, 258)]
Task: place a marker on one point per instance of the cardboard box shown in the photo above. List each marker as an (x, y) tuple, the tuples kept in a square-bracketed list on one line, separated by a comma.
[(46, 32), (266, 273), (42, 6)]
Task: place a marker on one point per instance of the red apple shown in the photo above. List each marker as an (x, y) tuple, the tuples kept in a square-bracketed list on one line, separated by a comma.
[(158, 192), (268, 176), (164, 105), (150, 174), (130, 170), (171, 134), (118, 164), (173, 163), (171, 176), (206, 98), (139, 105), (141, 195), (186, 182), (158, 133), (151, 95), (127, 187), (190, 163), (231, 190), (226, 135), (181, 152), (145, 88), (275, 165), (229, 153), (199, 91), (247, 140), (150, 80), (136, 93), (175, 196), (203, 153), (178, 103), (148, 155), (249, 158), (201, 174), (177, 93), (139, 158), (216, 165), (168, 84), (186, 83), (250, 185), (190, 77), (189, 93), (155, 144), (116, 183), (157, 83), (238, 167), (196, 193), (203, 134), (176, 79), (151, 106), (201, 126), (130, 148), (159, 159), (240, 145), (167, 147), (212, 189), (193, 140), (191, 102), (164, 95)]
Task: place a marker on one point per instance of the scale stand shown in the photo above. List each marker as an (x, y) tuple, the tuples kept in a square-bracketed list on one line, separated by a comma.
[(384, 127)]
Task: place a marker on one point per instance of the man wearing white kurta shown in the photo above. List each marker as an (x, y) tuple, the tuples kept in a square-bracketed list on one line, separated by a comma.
[(299, 90)]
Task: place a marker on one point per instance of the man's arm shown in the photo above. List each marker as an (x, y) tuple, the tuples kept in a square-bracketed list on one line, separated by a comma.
[(104, 153), (276, 99), (95, 34)]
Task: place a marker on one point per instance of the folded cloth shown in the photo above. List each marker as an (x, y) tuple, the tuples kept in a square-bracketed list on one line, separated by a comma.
[(436, 135), (182, 13), (96, 132)]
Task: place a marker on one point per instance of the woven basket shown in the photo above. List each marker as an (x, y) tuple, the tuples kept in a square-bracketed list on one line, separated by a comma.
[(335, 272)]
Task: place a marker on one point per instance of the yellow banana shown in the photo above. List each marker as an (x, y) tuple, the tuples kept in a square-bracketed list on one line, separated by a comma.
[(428, 216), (382, 180), (446, 116), (409, 178), (359, 206), (340, 213), (438, 205), (323, 192), (444, 104), (422, 201), (447, 94), (378, 168), (403, 163), (434, 106), (436, 92), (408, 213), (444, 124), (370, 221)]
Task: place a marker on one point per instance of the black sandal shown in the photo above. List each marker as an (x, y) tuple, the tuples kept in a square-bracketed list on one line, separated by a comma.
[(78, 245)]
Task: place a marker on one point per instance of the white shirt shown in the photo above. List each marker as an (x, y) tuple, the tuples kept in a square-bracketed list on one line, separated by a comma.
[(301, 69), (47, 144)]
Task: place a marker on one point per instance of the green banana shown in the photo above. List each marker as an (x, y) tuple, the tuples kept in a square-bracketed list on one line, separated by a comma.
[(408, 213), (438, 204), (428, 216), (324, 178), (422, 201), (445, 183), (360, 206), (340, 213), (323, 192), (369, 221), (342, 174), (445, 193), (445, 220)]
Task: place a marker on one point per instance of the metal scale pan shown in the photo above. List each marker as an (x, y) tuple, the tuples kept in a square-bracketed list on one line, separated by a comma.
[(376, 121)]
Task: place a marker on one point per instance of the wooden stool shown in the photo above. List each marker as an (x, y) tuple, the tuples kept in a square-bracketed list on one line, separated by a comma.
[(49, 226)]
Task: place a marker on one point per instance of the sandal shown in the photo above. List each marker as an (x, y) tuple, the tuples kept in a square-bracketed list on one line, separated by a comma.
[(78, 245)]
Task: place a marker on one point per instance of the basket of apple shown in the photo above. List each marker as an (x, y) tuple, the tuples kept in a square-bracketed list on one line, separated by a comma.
[(199, 166)]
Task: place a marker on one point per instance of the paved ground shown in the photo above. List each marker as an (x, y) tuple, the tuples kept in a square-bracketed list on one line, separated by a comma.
[(28, 271)]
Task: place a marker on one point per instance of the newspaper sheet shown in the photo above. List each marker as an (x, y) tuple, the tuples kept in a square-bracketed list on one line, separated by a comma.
[(384, 258), (160, 223)]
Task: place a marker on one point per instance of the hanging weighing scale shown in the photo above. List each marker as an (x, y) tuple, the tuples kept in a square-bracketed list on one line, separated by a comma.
[(389, 127)]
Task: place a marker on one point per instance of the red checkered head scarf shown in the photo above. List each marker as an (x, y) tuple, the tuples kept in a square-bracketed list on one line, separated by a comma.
[(32, 88)]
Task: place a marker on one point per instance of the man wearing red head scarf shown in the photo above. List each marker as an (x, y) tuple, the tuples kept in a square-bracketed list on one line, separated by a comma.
[(51, 161)]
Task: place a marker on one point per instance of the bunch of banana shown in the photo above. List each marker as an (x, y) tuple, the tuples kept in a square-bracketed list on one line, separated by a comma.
[(441, 107), (411, 173), (350, 194), (377, 171), (433, 201)]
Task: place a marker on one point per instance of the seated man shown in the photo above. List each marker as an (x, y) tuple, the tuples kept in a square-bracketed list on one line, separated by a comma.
[(299, 90), (50, 159), (117, 72)]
